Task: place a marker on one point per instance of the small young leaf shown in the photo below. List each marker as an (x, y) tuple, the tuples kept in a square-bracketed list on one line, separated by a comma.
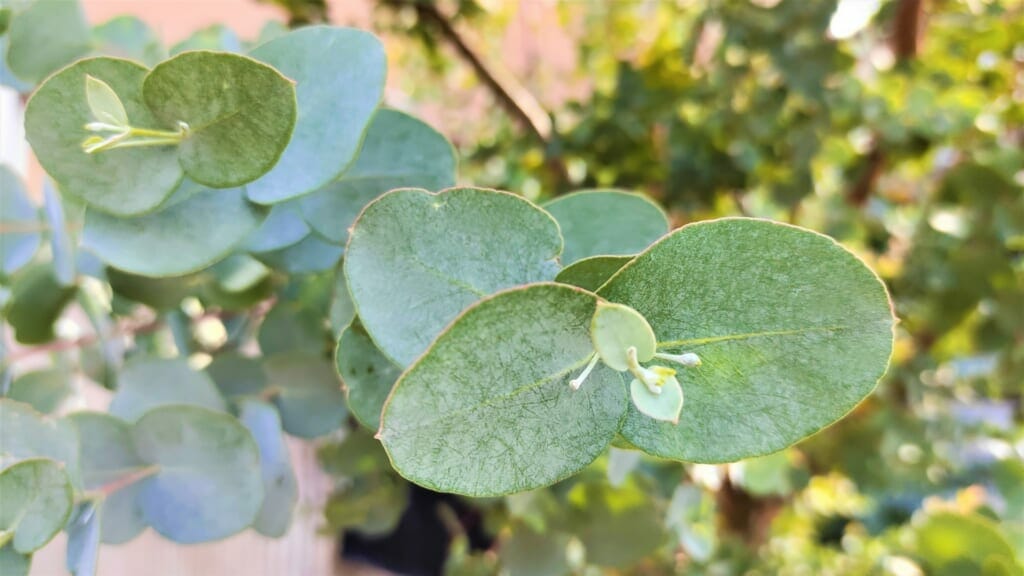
[(35, 303), (110, 465), (240, 114), (615, 329), (504, 364), (439, 253), (106, 107), (126, 181), (399, 151), (665, 406), (591, 273), (339, 75), (606, 223), (366, 373), (279, 484), (205, 488), (35, 504)]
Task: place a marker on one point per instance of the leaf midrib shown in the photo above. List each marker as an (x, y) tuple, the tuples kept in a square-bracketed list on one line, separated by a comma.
[(750, 335)]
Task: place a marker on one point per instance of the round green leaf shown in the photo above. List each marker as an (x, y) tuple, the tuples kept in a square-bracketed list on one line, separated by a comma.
[(950, 543), (110, 464), (591, 273), (525, 552), (147, 383), (439, 253), (206, 487), (617, 526), (617, 328), (366, 373), (606, 222), (399, 152), (36, 503), (279, 485), (12, 563), (792, 329), (37, 299), (307, 393), (44, 390), (340, 76), (240, 114), (20, 225), (665, 406), (288, 327), (237, 376), (44, 36), (129, 37), (182, 238), (309, 255), (24, 433), (283, 227), (488, 409), (124, 181)]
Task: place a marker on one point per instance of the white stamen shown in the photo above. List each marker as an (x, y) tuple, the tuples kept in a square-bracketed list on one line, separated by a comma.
[(689, 359), (576, 382)]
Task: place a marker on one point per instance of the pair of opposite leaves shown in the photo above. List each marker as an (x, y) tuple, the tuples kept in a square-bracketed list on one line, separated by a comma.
[(792, 331)]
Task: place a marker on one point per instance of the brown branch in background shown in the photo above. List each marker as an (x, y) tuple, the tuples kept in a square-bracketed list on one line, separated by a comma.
[(904, 40), (510, 94)]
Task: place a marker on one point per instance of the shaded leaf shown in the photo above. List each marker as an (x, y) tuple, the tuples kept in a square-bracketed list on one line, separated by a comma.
[(311, 254), (35, 303), (399, 151), (366, 373), (279, 485), (45, 36), (237, 376), (606, 223), (83, 540), (307, 393), (20, 225), (44, 390), (147, 383), (339, 75), (591, 273)]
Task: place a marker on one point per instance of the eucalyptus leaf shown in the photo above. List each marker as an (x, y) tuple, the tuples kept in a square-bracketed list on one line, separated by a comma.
[(44, 390), (399, 151), (24, 433), (279, 484), (36, 503), (205, 488), (183, 238), (289, 327), (36, 302), (504, 366), (129, 37), (665, 406), (309, 255), (617, 526), (61, 244), (342, 311), (239, 272), (366, 373), (615, 329), (283, 227), (147, 383), (525, 552), (123, 181), (216, 37), (237, 376), (45, 36), (792, 331), (439, 253), (606, 223), (12, 563), (339, 75), (240, 114), (111, 466), (84, 540), (104, 104), (20, 225), (307, 393), (591, 273)]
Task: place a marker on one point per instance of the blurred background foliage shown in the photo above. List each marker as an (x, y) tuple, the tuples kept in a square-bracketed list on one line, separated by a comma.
[(896, 126)]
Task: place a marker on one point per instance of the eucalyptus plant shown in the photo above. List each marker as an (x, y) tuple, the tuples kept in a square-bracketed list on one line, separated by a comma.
[(491, 345)]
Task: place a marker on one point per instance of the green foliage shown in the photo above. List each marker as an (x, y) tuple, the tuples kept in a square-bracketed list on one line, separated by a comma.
[(285, 252)]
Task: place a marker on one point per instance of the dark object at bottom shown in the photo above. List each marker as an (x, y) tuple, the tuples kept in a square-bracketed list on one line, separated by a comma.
[(419, 544)]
